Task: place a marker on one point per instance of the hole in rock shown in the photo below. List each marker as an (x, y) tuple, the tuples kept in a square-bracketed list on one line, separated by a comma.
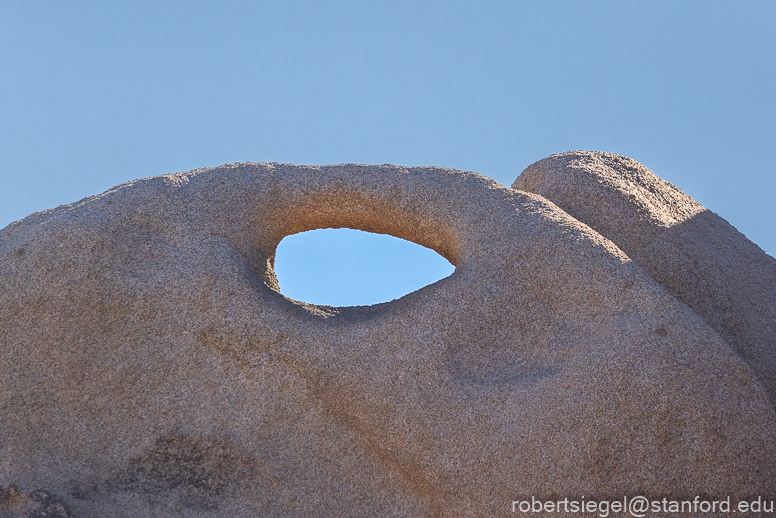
[(345, 267)]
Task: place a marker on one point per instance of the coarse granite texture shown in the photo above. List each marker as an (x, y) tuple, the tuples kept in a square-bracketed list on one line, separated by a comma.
[(697, 256), (151, 367)]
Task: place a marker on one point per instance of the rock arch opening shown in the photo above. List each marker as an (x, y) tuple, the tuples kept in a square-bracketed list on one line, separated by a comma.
[(347, 267)]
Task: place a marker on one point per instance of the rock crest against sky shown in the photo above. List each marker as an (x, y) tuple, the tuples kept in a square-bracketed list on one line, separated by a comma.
[(602, 335)]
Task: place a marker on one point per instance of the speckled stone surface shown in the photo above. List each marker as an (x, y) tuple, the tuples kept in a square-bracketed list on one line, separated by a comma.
[(697, 256), (150, 366)]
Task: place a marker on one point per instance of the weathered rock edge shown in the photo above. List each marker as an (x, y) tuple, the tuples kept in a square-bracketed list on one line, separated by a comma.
[(151, 367), (696, 255)]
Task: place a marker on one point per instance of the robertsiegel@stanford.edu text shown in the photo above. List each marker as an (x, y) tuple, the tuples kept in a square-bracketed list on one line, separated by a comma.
[(639, 506)]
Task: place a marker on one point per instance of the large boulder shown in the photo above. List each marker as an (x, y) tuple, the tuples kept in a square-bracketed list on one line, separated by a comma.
[(151, 367), (697, 256)]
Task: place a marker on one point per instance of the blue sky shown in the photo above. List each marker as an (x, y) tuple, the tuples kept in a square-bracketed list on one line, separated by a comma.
[(93, 94)]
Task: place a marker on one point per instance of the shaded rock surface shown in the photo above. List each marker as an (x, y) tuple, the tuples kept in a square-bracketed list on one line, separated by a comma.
[(151, 367), (31, 504), (699, 257)]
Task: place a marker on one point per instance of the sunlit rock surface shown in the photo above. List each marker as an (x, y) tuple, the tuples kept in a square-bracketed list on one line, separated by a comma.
[(699, 257), (150, 366)]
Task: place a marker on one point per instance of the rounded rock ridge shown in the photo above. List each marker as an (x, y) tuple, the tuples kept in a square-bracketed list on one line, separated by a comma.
[(151, 366)]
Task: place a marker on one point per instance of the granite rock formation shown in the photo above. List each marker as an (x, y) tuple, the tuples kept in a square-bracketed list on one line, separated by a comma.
[(697, 256), (150, 365)]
